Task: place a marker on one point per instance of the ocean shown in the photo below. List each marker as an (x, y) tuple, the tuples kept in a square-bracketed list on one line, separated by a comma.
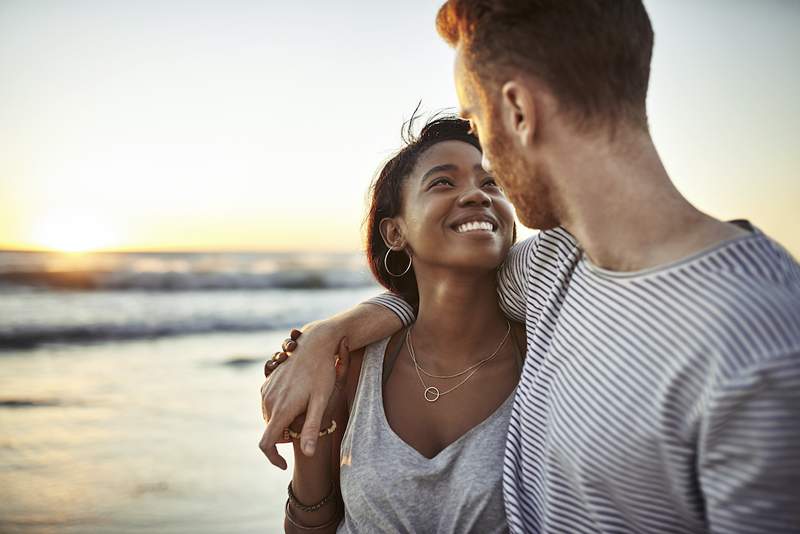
[(129, 385)]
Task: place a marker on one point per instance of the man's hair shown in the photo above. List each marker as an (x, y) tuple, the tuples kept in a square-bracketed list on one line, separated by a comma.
[(594, 55)]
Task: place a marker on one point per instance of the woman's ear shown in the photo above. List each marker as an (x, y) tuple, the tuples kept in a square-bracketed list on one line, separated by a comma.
[(391, 233)]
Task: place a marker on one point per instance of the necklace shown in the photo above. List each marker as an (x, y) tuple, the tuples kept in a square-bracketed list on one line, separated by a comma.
[(468, 369), (432, 393)]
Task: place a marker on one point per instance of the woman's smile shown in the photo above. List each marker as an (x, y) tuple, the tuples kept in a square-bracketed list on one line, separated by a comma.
[(476, 224), (451, 190)]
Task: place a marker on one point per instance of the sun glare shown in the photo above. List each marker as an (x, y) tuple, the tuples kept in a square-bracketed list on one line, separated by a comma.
[(72, 234)]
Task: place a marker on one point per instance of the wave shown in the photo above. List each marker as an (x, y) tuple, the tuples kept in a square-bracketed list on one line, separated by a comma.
[(33, 336), (30, 403), (182, 271), (47, 299), (90, 280)]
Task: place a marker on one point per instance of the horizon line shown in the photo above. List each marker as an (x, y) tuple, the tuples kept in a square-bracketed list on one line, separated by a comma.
[(177, 251)]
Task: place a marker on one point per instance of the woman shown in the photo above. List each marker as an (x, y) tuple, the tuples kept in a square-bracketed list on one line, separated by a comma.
[(415, 434)]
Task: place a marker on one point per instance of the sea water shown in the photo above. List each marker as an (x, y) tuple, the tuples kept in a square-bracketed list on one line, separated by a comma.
[(129, 386)]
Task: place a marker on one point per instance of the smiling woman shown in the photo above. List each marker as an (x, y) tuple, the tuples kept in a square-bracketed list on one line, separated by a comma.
[(438, 227), (72, 233)]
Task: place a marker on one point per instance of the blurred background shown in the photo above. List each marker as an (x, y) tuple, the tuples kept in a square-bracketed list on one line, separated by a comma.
[(181, 182)]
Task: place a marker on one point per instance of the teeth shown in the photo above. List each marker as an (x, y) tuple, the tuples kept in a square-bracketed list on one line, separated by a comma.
[(475, 225)]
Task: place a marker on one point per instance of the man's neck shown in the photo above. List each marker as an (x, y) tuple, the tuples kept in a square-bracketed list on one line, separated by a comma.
[(620, 204)]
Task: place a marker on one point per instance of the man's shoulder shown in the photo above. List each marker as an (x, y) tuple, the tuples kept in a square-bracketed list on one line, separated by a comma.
[(758, 271), (751, 291)]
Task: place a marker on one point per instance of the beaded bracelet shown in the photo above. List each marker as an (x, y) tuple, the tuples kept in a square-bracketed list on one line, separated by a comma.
[(313, 507), (300, 526)]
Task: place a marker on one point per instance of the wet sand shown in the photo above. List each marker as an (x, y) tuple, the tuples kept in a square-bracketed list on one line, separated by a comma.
[(141, 436)]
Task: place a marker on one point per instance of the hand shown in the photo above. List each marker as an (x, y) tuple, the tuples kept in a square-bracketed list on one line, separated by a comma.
[(342, 365), (302, 384)]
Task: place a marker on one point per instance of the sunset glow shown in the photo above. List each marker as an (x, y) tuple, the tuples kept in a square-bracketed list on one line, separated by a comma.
[(72, 233), (259, 126)]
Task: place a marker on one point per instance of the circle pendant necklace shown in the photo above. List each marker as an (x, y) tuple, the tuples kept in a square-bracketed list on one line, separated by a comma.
[(432, 393)]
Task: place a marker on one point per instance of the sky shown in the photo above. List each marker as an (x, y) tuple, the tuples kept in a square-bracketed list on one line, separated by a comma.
[(258, 125)]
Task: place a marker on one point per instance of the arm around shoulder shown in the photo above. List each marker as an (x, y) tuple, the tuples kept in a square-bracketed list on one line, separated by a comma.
[(305, 382), (512, 281)]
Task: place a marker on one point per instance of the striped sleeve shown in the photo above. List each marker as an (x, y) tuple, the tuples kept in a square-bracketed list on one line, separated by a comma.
[(396, 304), (511, 285), (749, 456), (512, 278)]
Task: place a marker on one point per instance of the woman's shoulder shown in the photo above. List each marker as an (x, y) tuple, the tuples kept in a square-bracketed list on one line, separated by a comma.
[(357, 360)]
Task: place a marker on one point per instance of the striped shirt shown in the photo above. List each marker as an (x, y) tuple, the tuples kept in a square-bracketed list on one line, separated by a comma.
[(665, 400)]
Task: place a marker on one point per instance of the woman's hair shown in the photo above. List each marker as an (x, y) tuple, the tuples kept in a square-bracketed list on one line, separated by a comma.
[(386, 197)]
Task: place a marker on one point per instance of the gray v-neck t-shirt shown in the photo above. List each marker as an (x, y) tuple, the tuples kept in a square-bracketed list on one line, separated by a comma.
[(388, 486)]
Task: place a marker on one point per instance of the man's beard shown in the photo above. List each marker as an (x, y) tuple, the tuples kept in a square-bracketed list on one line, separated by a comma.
[(527, 186)]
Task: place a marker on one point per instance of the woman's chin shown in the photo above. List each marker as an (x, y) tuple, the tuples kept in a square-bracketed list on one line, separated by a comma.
[(479, 261)]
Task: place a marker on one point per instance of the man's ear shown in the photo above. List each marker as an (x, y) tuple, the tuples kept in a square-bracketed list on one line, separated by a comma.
[(518, 109), (392, 233)]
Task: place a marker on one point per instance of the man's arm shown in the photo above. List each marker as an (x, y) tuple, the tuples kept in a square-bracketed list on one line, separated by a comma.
[(749, 451), (512, 279), (306, 380)]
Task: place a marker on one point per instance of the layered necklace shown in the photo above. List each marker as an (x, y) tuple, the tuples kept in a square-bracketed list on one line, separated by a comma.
[(432, 393)]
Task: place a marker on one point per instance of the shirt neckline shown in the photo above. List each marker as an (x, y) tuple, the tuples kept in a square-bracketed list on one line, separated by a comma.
[(755, 233), (452, 446)]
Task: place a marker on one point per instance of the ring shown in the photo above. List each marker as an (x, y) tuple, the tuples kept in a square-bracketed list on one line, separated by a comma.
[(271, 364)]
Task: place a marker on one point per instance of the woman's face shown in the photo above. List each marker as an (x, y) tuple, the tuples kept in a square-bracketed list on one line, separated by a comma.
[(454, 214)]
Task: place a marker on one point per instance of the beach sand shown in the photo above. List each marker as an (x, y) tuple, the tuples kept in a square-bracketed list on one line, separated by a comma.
[(138, 436)]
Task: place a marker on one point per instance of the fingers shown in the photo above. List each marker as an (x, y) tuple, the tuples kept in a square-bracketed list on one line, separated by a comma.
[(297, 424), (310, 433), (264, 411), (272, 434), (305, 385)]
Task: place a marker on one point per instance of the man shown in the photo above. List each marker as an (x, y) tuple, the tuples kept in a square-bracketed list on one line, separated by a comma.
[(661, 390)]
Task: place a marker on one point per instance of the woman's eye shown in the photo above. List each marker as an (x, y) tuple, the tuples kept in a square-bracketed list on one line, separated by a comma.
[(490, 182), (439, 181)]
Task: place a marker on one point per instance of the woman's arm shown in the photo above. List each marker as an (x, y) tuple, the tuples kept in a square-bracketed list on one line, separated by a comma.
[(316, 478), (313, 481)]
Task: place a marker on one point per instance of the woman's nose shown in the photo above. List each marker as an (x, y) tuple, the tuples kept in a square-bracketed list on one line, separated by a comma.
[(475, 197)]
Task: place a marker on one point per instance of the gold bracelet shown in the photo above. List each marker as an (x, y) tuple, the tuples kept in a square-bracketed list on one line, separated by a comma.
[(289, 433)]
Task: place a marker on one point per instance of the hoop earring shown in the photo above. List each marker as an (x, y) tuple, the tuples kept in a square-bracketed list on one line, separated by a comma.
[(386, 263)]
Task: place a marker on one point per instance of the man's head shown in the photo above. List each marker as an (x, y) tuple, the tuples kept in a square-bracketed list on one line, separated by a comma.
[(529, 71)]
